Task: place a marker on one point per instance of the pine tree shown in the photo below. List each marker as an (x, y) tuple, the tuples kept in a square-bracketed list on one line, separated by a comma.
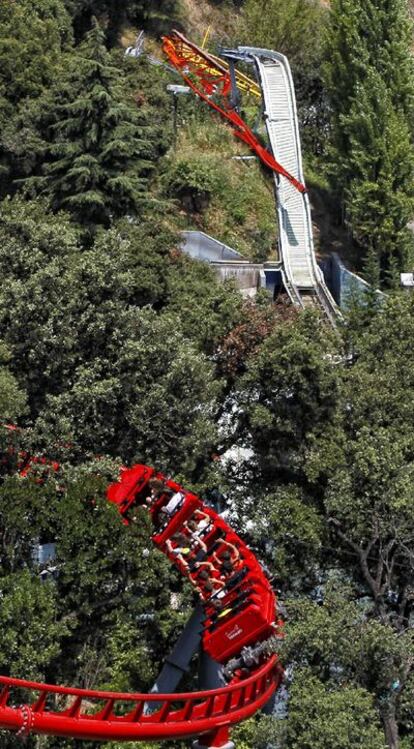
[(379, 195), (34, 36), (365, 34), (370, 79), (98, 163)]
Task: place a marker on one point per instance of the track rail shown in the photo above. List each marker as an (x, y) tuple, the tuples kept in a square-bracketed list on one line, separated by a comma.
[(210, 67), (211, 81), (89, 714)]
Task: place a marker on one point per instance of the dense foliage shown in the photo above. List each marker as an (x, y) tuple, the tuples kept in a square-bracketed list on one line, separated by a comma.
[(116, 347), (98, 149), (295, 28), (370, 80)]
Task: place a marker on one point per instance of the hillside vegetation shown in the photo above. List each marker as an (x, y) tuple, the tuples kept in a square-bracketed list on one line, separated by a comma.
[(115, 348)]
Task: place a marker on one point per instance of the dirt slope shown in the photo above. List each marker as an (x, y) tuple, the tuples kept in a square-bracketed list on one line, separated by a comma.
[(199, 15)]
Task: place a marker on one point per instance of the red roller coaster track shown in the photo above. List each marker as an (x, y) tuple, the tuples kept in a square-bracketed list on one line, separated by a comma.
[(246, 612), (211, 81), (245, 618)]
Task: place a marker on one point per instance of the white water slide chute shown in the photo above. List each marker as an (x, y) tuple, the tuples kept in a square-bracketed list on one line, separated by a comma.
[(303, 278)]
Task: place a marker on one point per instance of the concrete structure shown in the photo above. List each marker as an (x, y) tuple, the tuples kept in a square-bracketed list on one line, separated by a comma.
[(228, 263), (201, 246), (342, 283)]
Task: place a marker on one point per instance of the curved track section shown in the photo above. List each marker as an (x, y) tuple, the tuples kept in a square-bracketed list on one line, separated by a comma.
[(303, 278), (104, 716), (239, 613)]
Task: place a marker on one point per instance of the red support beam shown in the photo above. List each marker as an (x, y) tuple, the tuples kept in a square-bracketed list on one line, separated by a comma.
[(211, 82)]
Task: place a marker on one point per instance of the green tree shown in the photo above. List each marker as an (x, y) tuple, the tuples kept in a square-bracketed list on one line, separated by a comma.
[(369, 75), (32, 633), (25, 516), (337, 642), (156, 17), (292, 28), (105, 575), (12, 398), (369, 499), (207, 308), (374, 34), (29, 133), (288, 398), (343, 718), (35, 248), (101, 151), (154, 402), (108, 574), (140, 377), (332, 497), (34, 36), (295, 28)]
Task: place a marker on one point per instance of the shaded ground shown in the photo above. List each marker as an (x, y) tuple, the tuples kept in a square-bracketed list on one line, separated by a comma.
[(329, 234)]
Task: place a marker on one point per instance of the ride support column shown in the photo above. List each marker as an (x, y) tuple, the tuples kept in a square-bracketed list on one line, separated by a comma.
[(219, 739), (211, 677)]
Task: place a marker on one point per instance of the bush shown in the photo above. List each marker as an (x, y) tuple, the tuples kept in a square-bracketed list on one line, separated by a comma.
[(193, 181)]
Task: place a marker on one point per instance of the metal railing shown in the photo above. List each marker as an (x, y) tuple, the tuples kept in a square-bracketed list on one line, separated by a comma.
[(91, 714)]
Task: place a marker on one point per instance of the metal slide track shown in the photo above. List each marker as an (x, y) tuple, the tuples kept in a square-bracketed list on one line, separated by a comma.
[(303, 278)]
